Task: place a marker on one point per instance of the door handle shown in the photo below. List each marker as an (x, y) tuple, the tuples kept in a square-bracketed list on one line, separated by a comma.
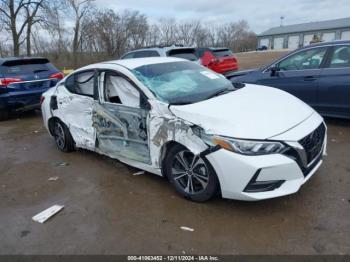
[(310, 78)]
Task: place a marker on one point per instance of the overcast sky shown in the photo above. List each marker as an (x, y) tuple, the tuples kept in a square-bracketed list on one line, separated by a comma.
[(261, 14)]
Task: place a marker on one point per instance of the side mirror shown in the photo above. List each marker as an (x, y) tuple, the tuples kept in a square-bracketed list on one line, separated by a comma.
[(274, 70)]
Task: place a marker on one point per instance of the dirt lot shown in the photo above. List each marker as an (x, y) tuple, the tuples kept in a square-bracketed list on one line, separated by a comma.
[(251, 60), (110, 211)]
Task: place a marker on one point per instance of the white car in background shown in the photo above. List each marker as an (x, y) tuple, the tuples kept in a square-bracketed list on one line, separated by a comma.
[(177, 119)]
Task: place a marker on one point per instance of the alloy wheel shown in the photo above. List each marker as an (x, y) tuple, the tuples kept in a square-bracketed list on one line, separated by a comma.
[(190, 172), (59, 136)]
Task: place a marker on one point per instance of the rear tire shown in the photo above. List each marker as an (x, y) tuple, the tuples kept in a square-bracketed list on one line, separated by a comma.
[(63, 138), (4, 114), (192, 176)]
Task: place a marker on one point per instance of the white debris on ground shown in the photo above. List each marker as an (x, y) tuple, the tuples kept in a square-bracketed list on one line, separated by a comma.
[(46, 214), (139, 173), (333, 140), (187, 229), (62, 164), (54, 178)]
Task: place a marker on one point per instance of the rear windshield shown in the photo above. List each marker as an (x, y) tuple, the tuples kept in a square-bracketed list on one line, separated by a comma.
[(222, 52), (32, 66), (188, 54)]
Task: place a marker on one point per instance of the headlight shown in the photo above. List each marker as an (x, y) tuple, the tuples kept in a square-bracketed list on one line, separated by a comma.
[(249, 147)]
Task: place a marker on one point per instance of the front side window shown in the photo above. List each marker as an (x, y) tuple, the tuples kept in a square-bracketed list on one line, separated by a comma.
[(341, 57), (119, 90), (181, 82), (307, 59), (81, 83)]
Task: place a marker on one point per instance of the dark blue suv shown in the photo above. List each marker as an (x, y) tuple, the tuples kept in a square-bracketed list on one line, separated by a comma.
[(317, 74), (22, 81)]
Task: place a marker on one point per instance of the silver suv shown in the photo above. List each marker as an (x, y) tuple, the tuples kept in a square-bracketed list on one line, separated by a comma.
[(188, 53)]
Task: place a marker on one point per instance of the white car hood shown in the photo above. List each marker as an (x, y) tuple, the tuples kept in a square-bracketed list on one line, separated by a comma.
[(253, 112)]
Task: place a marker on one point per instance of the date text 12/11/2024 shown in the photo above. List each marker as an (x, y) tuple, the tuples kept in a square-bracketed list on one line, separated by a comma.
[(173, 258)]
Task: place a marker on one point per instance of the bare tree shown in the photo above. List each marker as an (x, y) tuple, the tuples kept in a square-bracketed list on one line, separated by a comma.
[(16, 19), (231, 35), (54, 13), (167, 30), (188, 31), (80, 9), (31, 11), (3, 41)]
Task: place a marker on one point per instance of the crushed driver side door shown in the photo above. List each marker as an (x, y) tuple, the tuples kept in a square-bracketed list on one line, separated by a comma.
[(121, 130)]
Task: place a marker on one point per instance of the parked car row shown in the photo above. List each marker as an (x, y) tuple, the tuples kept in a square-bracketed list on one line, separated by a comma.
[(220, 60)]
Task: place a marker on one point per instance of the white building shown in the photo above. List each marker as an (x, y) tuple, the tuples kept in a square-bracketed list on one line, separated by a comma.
[(295, 36)]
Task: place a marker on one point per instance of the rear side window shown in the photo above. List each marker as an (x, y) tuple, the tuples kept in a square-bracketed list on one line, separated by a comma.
[(222, 52), (128, 56), (341, 57), (146, 54), (141, 54), (81, 83), (29, 66), (188, 54)]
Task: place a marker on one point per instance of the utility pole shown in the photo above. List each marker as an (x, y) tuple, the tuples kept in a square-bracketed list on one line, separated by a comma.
[(282, 18)]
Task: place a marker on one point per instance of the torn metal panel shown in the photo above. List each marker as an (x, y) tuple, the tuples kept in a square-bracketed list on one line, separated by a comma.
[(76, 112), (167, 128), (121, 131)]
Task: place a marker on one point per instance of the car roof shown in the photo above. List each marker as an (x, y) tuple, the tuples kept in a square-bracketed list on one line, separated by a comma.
[(335, 42), (137, 62), (158, 48), (6, 59)]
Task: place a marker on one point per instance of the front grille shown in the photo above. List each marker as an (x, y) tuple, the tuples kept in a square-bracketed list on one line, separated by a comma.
[(313, 143)]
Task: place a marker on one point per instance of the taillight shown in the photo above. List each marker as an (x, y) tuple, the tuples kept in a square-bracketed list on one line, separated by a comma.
[(207, 58), (57, 76), (42, 99), (7, 81), (215, 61)]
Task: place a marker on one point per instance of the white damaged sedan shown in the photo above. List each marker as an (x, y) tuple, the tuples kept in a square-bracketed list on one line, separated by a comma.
[(177, 119)]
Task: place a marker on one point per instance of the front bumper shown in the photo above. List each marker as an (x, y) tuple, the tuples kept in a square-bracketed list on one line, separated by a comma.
[(236, 171), (21, 100), (284, 173)]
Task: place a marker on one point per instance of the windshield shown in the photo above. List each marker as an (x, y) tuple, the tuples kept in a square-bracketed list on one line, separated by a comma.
[(182, 82)]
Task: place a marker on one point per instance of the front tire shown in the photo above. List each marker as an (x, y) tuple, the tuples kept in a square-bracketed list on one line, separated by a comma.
[(63, 138), (192, 176)]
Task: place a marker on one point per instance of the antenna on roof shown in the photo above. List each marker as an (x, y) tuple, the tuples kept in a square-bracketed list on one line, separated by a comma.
[(282, 18)]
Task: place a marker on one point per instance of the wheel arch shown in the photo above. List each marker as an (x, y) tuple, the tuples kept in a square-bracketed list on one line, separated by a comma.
[(163, 153)]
